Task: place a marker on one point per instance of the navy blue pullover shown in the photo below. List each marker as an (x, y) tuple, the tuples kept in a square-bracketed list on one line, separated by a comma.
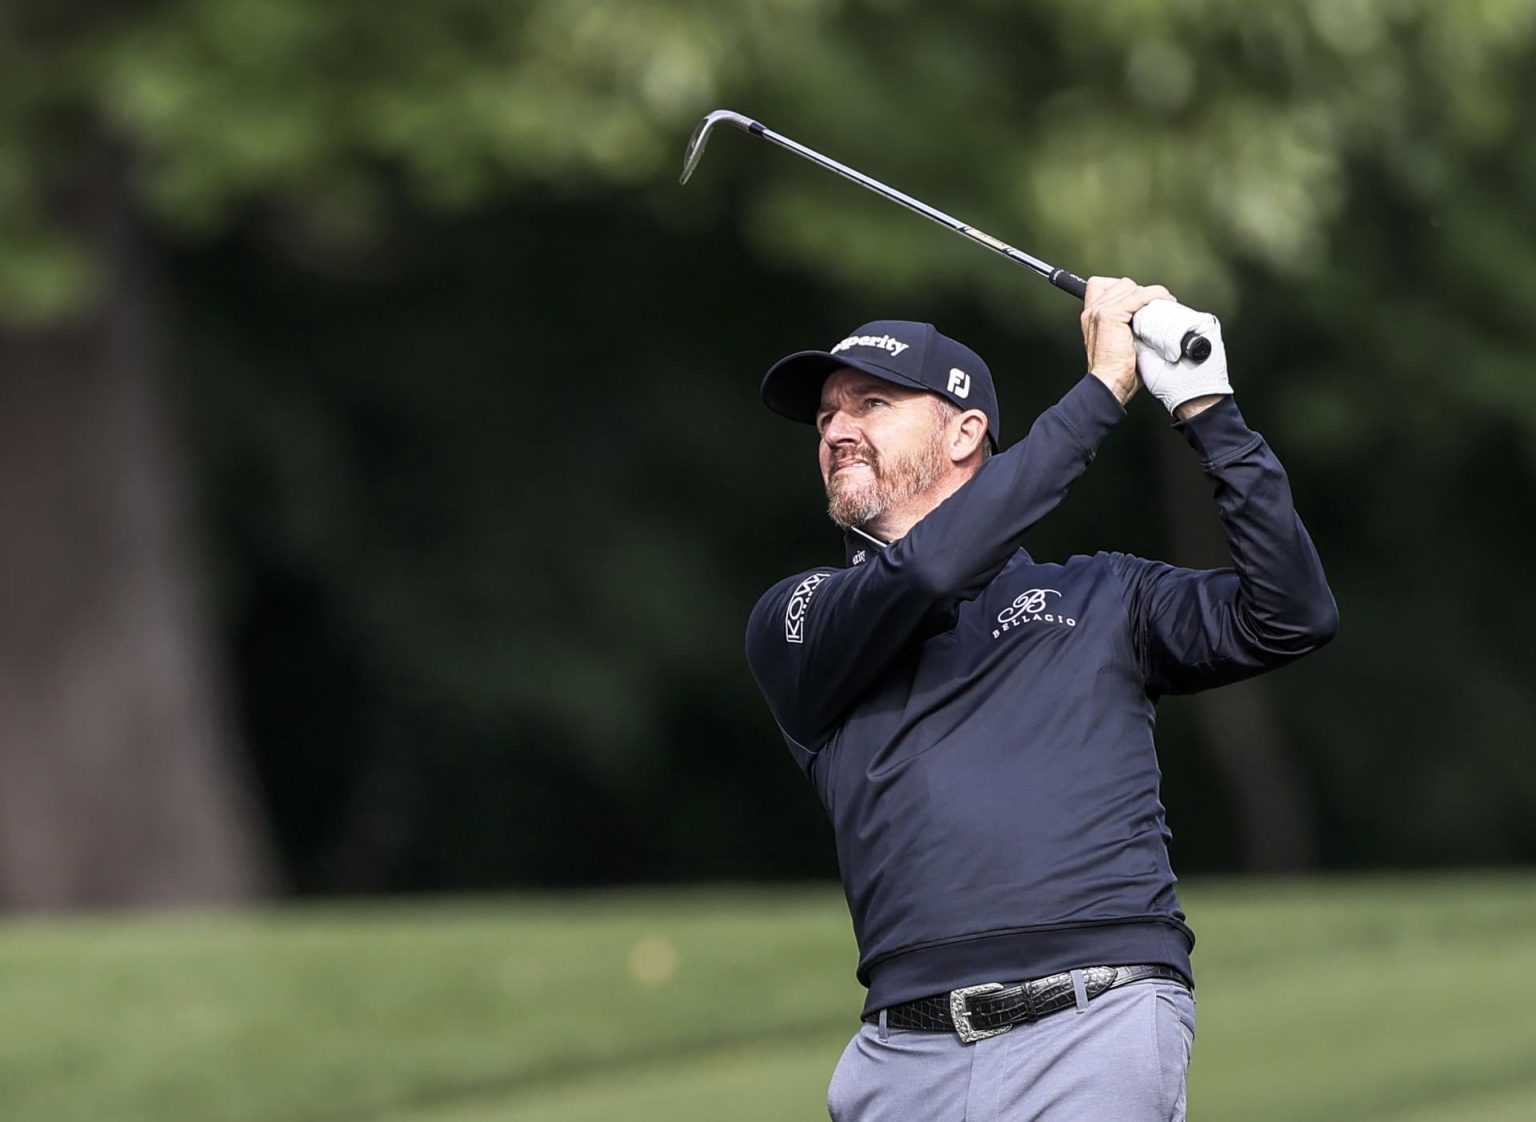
[(979, 725)]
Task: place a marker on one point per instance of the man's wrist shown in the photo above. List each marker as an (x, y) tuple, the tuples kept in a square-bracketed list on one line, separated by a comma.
[(1123, 388), (1195, 406)]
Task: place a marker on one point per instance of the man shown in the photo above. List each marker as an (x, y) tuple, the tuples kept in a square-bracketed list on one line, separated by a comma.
[(979, 724)]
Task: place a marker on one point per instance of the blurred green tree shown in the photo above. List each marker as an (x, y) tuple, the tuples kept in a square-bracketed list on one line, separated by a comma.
[(1341, 180)]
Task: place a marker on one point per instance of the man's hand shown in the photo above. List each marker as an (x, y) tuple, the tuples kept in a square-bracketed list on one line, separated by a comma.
[(1184, 386), (1107, 310)]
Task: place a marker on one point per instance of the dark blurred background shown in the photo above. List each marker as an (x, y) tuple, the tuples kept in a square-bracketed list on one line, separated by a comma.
[(384, 486)]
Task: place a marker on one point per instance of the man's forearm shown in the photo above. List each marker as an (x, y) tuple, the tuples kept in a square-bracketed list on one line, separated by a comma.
[(1285, 605)]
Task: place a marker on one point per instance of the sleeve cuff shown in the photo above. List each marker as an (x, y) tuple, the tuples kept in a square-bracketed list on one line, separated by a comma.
[(1219, 433), (1091, 411)]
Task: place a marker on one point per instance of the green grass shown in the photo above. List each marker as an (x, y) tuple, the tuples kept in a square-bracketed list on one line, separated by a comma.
[(1407, 999)]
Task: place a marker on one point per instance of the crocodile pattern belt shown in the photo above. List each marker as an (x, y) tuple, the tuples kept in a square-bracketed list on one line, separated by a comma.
[(975, 1012)]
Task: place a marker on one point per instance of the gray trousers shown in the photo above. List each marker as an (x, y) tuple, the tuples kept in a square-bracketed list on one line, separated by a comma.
[(1121, 1058)]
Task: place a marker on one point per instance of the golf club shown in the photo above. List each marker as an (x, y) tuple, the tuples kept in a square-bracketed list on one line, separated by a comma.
[(1195, 347)]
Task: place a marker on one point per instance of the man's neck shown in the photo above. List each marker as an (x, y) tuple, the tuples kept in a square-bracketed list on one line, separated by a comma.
[(895, 523)]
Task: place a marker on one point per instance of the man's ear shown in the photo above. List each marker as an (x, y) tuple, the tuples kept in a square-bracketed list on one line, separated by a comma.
[(967, 432)]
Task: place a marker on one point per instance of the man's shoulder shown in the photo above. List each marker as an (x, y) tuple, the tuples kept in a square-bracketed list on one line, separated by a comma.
[(810, 577), (1115, 559), (1103, 572), (789, 597), (1074, 564)]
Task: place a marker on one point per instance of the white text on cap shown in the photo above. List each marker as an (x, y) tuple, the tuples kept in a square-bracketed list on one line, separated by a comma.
[(884, 342)]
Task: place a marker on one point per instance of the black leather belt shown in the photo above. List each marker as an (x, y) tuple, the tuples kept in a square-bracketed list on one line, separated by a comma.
[(975, 1012)]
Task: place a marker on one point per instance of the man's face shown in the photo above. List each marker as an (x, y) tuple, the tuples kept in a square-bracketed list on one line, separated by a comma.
[(881, 445)]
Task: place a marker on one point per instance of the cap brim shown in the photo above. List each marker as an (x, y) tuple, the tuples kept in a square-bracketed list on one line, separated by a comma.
[(792, 386)]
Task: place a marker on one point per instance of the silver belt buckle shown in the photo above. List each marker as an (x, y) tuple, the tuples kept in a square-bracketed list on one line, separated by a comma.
[(962, 1016)]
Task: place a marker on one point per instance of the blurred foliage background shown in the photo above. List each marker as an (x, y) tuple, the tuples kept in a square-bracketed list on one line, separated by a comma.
[(385, 488)]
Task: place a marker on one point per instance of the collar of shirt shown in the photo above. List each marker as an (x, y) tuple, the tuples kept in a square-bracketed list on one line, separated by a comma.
[(859, 547)]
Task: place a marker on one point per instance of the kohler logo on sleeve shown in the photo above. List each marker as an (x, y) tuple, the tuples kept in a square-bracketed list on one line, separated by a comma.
[(799, 601)]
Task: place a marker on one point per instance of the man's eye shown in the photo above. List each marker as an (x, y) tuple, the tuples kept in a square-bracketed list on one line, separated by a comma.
[(875, 401)]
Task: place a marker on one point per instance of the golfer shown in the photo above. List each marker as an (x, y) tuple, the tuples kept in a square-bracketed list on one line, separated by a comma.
[(979, 723)]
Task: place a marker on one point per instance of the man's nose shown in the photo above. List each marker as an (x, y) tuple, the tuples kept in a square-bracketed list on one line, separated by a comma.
[(840, 429)]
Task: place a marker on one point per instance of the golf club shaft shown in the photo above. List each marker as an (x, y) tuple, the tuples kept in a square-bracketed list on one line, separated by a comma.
[(1061, 278), (1195, 347)]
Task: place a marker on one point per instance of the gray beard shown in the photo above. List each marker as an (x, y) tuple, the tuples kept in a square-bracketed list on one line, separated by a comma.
[(892, 485)]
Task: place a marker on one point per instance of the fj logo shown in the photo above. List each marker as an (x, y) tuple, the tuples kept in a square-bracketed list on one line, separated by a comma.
[(959, 383), (1030, 607), (799, 600)]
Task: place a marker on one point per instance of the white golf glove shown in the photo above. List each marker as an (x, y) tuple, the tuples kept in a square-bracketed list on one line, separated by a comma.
[(1160, 328)]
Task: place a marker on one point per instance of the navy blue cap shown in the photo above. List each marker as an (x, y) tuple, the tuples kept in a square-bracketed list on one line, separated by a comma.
[(898, 350)]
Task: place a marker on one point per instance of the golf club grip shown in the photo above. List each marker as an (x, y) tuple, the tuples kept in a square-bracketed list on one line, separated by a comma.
[(1069, 282), (1195, 346)]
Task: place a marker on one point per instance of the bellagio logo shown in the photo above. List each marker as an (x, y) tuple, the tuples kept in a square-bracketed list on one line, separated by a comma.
[(799, 600), (1030, 607)]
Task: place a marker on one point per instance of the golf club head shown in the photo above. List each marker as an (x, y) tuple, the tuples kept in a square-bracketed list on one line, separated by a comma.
[(700, 136)]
